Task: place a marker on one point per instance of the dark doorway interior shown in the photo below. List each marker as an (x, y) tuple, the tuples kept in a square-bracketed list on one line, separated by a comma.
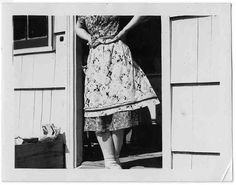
[(145, 44)]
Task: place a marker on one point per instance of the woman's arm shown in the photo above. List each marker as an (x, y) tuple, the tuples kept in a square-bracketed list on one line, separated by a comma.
[(132, 23), (82, 33)]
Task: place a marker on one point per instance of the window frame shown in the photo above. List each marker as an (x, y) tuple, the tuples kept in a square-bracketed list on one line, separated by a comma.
[(40, 49)]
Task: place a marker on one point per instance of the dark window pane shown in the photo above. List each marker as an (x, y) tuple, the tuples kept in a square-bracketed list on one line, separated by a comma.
[(20, 27), (38, 26)]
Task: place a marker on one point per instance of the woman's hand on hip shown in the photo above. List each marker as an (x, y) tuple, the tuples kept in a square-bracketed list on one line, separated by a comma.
[(120, 36)]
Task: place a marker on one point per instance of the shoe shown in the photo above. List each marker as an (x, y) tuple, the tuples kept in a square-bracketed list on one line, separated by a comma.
[(112, 165)]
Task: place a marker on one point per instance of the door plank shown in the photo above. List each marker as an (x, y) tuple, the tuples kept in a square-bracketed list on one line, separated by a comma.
[(208, 123), (60, 24), (60, 66), (27, 71), (207, 67), (205, 161), (182, 118), (46, 107), (58, 115), (182, 161), (44, 70), (26, 114), (17, 70), (184, 51), (17, 95), (38, 102)]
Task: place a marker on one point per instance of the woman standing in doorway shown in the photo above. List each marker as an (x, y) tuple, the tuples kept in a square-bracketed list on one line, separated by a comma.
[(115, 86)]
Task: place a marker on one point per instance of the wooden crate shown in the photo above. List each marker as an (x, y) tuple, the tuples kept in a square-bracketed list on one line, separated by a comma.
[(50, 154)]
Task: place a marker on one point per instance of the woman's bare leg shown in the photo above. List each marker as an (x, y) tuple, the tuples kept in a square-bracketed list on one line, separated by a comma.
[(108, 150), (117, 137)]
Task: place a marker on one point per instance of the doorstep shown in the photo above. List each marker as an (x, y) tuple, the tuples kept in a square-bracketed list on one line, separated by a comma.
[(140, 161)]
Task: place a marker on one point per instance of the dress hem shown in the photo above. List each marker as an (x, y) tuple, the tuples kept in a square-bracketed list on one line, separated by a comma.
[(129, 107), (111, 130)]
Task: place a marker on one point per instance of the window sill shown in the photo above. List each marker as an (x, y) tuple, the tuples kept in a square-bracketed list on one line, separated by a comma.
[(28, 51)]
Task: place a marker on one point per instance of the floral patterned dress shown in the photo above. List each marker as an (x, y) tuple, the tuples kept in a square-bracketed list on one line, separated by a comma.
[(115, 86)]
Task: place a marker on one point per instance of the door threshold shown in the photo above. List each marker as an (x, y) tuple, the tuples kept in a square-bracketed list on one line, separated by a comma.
[(147, 160)]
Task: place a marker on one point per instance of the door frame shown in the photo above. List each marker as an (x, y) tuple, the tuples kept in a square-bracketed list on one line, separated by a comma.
[(167, 12)]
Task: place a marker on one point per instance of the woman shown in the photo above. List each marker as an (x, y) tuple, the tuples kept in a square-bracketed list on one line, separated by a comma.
[(115, 86)]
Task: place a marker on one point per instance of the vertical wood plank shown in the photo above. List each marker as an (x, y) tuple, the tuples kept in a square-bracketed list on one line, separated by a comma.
[(60, 23), (17, 106), (208, 123), (37, 113), (184, 50), (224, 23), (70, 106), (207, 68), (46, 107), (205, 161), (17, 70), (58, 114), (60, 66), (44, 70), (182, 118), (27, 71), (219, 48), (182, 161), (166, 92), (26, 114)]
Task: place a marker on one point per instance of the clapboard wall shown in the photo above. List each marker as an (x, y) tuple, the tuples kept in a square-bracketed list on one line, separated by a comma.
[(41, 85)]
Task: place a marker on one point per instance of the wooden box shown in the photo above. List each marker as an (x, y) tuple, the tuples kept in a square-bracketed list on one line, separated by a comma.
[(48, 154)]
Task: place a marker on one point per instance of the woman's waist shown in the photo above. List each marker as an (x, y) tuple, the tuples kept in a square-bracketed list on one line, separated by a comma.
[(106, 39)]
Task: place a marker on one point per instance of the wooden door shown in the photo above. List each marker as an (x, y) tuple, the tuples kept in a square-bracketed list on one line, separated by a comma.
[(199, 91)]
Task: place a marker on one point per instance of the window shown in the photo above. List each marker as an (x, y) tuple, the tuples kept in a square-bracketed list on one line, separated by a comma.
[(32, 33)]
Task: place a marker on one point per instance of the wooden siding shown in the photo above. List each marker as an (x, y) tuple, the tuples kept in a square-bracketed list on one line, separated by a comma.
[(41, 86)]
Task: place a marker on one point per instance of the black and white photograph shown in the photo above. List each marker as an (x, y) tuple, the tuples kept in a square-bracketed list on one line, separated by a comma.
[(117, 92)]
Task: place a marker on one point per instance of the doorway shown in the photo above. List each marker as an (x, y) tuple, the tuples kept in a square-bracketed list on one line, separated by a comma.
[(142, 144)]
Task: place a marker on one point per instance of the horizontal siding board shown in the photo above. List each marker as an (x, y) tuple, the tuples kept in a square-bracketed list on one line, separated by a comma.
[(39, 88)]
